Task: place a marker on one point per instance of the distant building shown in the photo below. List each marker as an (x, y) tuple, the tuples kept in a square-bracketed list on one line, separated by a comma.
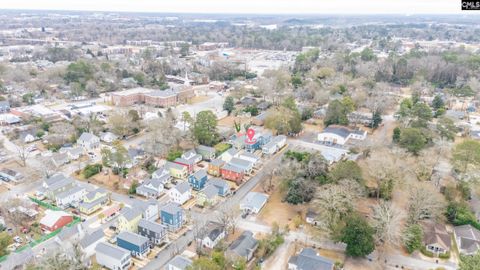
[(88, 141), (4, 106)]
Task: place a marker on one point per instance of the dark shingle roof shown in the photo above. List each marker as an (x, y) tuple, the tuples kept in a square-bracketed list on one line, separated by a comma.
[(308, 259)]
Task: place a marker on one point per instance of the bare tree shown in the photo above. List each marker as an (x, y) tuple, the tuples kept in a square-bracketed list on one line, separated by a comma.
[(386, 220), (424, 203), (335, 201), (383, 169), (23, 152), (162, 137), (226, 217)]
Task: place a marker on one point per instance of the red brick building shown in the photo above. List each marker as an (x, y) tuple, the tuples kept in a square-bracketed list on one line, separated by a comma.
[(232, 173), (54, 220), (166, 98)]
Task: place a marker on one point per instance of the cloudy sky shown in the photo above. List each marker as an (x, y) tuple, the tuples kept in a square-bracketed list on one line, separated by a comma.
[(247, 6)]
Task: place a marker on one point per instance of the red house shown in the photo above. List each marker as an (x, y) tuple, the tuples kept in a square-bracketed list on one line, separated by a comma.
[(190, 164), (54, 220), (232, 173)]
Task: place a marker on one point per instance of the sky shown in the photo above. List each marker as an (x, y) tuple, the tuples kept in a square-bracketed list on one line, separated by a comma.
[(247, 6)]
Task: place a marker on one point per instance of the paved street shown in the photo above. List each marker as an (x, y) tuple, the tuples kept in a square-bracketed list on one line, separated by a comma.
[(202, 218)]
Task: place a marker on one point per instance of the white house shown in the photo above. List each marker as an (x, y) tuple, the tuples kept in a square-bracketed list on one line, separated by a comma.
[(181, 193), (150, 209), (191, 155), (213, 234), (151, 188), (340, 135), (179, 262), (250, 157), (274, 145), (253, 202), (112, 257), (70, 197), (88, 141), (229, 154), (108, 137)]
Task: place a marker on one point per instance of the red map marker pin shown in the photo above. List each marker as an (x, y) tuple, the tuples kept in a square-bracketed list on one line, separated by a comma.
[(250, 133)]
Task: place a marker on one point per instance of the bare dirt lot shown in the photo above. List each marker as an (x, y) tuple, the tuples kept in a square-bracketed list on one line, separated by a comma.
[(282, 213), (229, 121)]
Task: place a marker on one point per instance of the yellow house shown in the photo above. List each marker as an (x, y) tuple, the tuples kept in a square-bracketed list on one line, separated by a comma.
[(176, 170), (128, 220), (93, 201)]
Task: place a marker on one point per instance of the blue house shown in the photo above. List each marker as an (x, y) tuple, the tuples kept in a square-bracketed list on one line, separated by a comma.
[(172, 216), (222, 186), (138, 245), (198, 179)]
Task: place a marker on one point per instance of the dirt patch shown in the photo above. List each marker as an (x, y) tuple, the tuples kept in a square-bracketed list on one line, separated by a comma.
[(198, 99), (282, 213), (229, 121)]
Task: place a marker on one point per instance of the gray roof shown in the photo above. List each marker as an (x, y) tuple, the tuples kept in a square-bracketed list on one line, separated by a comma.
[(4, 104), (338, 130), (130, 213), (200, 174), (140, 205), (213, 230), (161, 93), (180, 262), (308, 259), (243, 244), (69, 232), (69, 192), (112, 251), (242, 163), (205, 148), (184, 161), (183, 187), (255, 200), (91, 204), (177, 166), (87, 137), (218, 182), (172, 208), (233, 168), (249, 155), (90, 195), (151, 226), (210, 191), (133, 238), (92, 238), (217, 162), (469, 238)]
